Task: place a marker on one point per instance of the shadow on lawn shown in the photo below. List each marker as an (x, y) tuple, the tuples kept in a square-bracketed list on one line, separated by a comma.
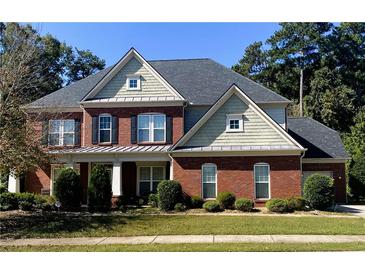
[(48, 224)]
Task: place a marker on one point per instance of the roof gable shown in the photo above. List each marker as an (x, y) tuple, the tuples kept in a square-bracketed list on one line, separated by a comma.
[(112, 85), (232, 101)]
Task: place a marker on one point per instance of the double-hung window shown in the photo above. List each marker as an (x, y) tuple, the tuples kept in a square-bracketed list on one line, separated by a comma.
[(151, 128), (209, 181), (105, 128), (149, 177), (61, 133), (262, 181)]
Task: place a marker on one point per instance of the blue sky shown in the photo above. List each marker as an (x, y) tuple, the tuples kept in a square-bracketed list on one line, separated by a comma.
[(223, 42)]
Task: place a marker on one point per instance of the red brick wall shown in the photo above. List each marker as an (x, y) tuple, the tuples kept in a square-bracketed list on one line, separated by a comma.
[(36, 180), (124, 115), (339, 175), (235, 174)]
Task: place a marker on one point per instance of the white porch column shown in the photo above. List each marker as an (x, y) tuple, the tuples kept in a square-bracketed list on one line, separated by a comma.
[(13, 183), (117, 179)]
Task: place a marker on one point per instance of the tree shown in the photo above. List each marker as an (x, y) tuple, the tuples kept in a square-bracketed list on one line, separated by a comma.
[(68, 189), (100, 189)]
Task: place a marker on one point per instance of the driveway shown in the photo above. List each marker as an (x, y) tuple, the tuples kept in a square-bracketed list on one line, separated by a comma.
[(358, 210)]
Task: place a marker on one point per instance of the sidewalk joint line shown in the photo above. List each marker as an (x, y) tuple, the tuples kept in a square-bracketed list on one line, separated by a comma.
[(102, 240), (154, 239)]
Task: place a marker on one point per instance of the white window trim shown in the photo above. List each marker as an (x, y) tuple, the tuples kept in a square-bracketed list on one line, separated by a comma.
[(151, 128), (238, 117), (110, 129), (61, 132), (216, 180), (151, 174), (134, 77), (254, 180)]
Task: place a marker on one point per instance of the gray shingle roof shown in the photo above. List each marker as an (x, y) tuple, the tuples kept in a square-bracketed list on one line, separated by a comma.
[(320, 140), (200, 81)]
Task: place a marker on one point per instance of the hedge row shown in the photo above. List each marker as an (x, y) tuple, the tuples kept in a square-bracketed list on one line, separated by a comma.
[(26, 202)]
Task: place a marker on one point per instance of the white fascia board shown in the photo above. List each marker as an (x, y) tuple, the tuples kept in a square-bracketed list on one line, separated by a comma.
[(122, 62), (131, 104), (53, 109), (236, 90), (234, 153)]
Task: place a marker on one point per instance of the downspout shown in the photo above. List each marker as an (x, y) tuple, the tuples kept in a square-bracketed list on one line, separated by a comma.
[(301, 173)]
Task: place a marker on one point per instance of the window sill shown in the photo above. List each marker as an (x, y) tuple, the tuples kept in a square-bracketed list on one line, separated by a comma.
[(152, 143), (234, 131), (104, 144)]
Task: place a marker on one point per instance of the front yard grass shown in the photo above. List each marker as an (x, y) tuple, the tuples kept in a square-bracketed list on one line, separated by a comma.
[(224, 247), (54, 225)]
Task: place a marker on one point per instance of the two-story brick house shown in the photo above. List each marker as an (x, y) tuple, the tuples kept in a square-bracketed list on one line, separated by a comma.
[(194, 121)]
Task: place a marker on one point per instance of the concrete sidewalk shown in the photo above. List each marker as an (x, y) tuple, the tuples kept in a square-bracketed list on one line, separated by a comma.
[(179, 239)]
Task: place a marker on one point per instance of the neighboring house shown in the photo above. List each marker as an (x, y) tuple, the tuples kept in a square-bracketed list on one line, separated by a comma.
[(193, 121)]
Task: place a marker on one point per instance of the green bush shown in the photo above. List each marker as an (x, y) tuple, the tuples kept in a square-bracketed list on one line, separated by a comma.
[(296, 203), (243, 204), (179, 207), (318, 191), (67, 189), (196, 202), (212, 206), (45, 203), (8, 201), (100, 190), (3, 188), (169, 194), (25, 206), (226, 199), (357, 177), (153, 200), (277, 205)]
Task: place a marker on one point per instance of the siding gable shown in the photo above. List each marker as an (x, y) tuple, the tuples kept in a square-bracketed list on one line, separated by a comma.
[(150, 85), (256, 131)]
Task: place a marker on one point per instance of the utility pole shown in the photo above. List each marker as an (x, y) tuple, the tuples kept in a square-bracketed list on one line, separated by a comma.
[(301, 87)]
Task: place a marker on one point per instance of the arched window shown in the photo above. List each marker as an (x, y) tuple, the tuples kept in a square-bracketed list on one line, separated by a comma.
[(262, 180), (105, 128), (209, 181)]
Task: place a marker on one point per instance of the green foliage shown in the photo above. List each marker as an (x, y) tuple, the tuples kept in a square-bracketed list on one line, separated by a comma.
[(226, 199), (196, 202), (153, 200), (67, 189), (8, 201), (3, 188), (319, 191), (180, 207), (169, 194), (357, 177), (296, 203), (212, 206), (25, 201), (277, 205), (100, 189), (243, 204)]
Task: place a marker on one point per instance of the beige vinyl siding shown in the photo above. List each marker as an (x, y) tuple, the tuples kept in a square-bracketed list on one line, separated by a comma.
[(256, 130), (117, 87), (276, 113)]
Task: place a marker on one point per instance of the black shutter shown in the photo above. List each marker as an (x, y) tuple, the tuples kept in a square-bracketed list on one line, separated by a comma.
[(134, 129), (44, 140), (95, 129), (115, 130), (168, 129), (77, 132)]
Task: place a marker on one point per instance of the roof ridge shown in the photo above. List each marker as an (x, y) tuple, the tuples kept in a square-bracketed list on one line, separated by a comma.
[(179, 59)]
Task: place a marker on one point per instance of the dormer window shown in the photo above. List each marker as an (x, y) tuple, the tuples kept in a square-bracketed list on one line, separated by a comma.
[(234, 123), (133, 82)]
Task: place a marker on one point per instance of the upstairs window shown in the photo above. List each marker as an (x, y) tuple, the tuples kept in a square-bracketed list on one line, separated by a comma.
[(151, 128), (134, 82), (61, 133), (234, 123), (105, 128)]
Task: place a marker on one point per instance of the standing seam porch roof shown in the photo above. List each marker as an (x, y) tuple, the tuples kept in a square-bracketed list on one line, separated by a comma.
[(200, 81)]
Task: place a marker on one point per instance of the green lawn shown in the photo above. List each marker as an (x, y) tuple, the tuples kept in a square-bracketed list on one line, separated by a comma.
[(191, 247), (58, 225)]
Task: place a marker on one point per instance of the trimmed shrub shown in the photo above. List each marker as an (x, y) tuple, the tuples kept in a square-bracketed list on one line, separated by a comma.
[(67, 189), (296, 203), (243, 204), (318, 191), (277, 205), (196, 202), (3, 188), (226, 199), (8, 201), (153, 200), (179, 207), (100, 190), (212, 206), (45, 203), (169, 194)]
